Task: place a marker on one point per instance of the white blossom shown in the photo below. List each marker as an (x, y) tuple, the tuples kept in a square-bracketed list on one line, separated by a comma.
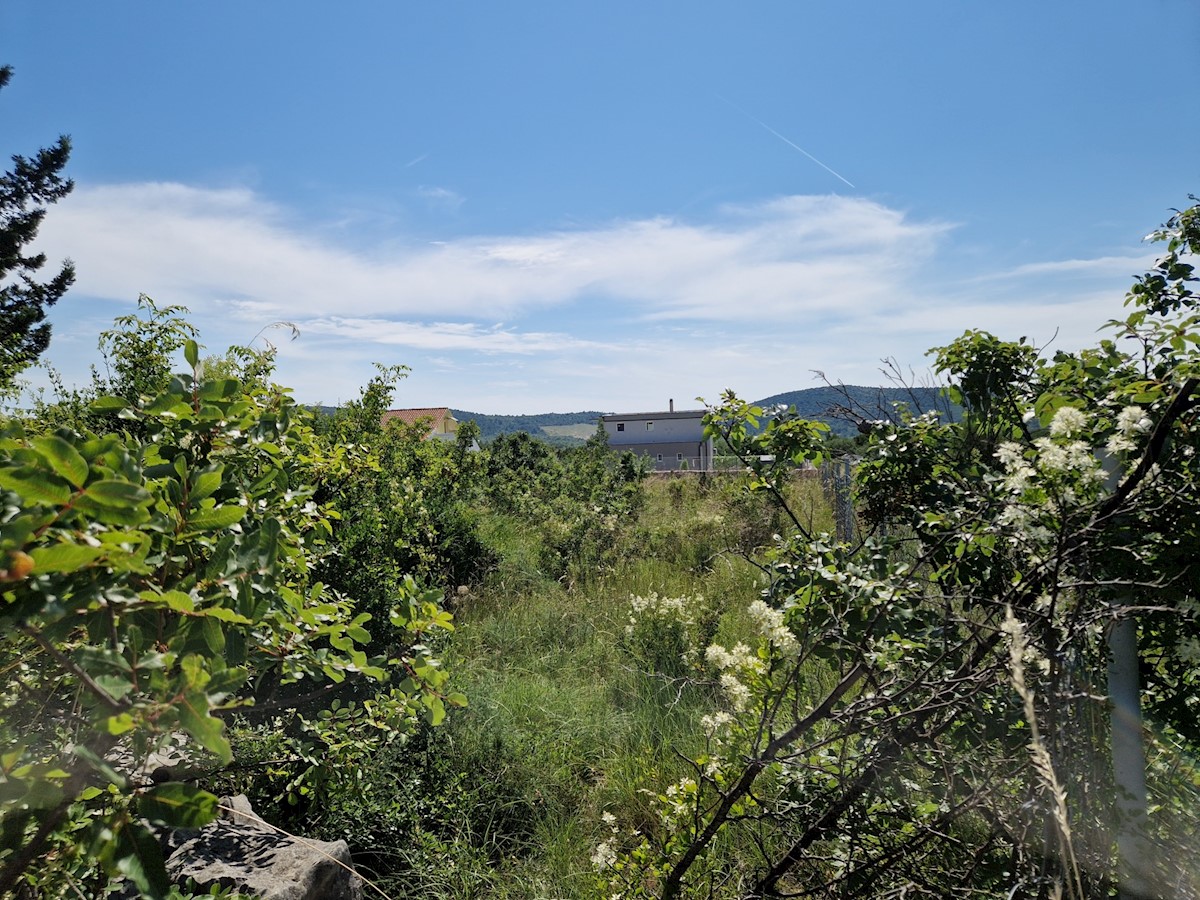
[(715, 722), (1067, 421), (770, 624), (1117, 444), (1133, 420), (604, 856), (738, 693)]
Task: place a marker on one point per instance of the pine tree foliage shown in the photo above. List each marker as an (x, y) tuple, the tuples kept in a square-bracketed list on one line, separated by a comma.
[(25, 191)]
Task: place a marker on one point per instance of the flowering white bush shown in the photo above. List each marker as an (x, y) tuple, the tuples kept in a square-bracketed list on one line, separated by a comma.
[(770, 624), (735, 666), (1131, 421), (667, 634), (605, 854)]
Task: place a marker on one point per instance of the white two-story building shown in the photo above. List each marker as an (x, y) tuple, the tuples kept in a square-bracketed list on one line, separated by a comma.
[(673, 440)]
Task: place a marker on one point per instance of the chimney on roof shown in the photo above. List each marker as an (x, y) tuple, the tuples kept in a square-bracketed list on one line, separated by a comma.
[(672, 402)]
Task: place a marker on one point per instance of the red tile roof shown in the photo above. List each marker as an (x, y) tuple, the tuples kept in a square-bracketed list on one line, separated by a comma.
[(435, 415)]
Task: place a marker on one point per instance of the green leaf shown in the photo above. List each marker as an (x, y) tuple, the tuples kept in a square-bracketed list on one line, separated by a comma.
[(139, 858), (178, 805), (63, 458), (437, 710), (64, 557), (219, 389), (115, 515), (36, 485), (176, 600), (115, 493), (119, 724), (109, 404), (225, 615), (208, 731), (205, 484), (213, 635), (216, 518), (191, 352)]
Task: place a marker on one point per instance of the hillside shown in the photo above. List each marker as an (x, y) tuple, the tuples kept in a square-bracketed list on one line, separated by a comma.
[(843, 406), (564, 429), (825, 404)]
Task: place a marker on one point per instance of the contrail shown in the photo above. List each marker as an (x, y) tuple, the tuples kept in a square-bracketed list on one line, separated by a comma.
[(794, 146)]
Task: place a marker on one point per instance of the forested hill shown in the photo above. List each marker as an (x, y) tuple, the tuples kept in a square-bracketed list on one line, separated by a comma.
[(841, 406), (556, 428), (813, 403)]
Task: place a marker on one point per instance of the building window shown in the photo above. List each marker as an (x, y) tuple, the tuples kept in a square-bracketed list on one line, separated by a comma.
[(660, 457), (649, 426), (620, 426), (679, 457)]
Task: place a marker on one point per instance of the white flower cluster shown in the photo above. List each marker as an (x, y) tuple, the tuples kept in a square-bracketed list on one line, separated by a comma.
[(1060, 473), (605, 854), (741, 660), (678, 802), (770, 624), (670, 611), (740, 657), (1067, 422), (1057, 457), (715, 723), (1132, 420)]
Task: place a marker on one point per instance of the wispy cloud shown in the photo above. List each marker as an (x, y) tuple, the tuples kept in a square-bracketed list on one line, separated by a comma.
[(450, 336), (228, 246), (441, 198), (1101, 266), (751, 296)]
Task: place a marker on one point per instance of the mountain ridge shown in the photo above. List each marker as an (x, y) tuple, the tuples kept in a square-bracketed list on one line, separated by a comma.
[(839, 406)]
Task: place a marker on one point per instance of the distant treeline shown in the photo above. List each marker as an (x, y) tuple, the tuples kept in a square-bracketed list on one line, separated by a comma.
[(841, 407), (491, 427), (844, 406)]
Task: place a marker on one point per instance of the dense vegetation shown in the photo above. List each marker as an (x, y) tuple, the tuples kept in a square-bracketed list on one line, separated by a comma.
[(537, 672)]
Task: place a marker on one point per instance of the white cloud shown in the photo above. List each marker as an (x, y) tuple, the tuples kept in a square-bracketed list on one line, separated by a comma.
[(441, 198), (228, 246), (620, 315), (448, 336), (1101, 266)]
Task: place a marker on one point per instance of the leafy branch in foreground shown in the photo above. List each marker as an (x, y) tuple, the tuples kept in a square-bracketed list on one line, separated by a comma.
[(924, 712), (153, 581)]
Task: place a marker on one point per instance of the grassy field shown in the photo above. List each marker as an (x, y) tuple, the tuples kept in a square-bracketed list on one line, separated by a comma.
[(571, 714), (581, 431)]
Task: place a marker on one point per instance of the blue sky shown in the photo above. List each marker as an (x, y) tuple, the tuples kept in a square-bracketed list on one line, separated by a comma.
[(551, 206)]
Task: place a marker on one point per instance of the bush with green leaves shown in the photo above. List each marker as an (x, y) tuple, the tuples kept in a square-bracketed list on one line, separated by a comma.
[(667, 635), (154, 580), (581, 501), (925, 710), (404, 501)]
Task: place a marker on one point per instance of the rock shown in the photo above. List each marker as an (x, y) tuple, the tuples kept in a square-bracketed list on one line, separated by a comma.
[(242, 851)]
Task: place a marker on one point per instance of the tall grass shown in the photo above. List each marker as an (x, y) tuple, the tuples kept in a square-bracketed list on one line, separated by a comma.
[(567, 719)]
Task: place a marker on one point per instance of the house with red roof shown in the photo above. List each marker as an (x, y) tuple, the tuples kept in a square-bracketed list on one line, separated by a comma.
[(441, 424)]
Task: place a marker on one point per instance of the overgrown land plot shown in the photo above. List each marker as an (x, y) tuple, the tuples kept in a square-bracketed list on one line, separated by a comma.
[(531, 671)]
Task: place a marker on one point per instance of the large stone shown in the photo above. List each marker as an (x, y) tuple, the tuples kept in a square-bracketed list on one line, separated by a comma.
[(241, 851)]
